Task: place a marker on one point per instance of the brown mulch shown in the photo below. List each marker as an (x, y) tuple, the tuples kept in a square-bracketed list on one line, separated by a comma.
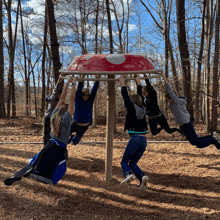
[(184, 180)]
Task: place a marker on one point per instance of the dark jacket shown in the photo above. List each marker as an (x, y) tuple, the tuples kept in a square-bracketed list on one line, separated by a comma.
[(150, 101), (132, 123), (83, 109)]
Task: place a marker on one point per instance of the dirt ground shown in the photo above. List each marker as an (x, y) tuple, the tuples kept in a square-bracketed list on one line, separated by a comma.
[(184, 180)]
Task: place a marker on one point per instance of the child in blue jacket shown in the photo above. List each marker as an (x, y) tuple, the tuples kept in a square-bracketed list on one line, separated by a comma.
[(82, 117)]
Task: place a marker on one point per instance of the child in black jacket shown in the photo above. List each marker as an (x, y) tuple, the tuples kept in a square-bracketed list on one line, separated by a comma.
[(155, 115), (137, 127)]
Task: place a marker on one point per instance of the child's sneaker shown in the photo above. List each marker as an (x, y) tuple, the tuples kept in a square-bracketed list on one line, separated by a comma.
[(11, 180), (143, 183), (129, 178)]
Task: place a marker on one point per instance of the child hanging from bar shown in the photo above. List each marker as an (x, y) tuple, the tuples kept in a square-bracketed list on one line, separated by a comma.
[(82, 117), (182, 118), (155, 115), (136, 125), (50, 163)]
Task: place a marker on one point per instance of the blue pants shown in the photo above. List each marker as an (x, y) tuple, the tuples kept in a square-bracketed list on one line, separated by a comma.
[(200, 142), (133, 153), (79, 130)]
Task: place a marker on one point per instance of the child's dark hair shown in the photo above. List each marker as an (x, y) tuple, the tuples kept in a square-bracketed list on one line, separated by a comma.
[(145, 88)]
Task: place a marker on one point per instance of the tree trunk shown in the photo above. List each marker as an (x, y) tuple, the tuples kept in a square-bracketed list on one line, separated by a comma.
[(8, 7), (215, 70), (173, 67), (43, 63), (25, 62), (35, 94), (209, 35), (53, 39), (200, 58), (2, 101), (184, 55), (94, 123)]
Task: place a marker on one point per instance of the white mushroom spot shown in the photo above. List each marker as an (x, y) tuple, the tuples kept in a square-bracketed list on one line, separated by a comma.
[(88, 57), (116, 58)]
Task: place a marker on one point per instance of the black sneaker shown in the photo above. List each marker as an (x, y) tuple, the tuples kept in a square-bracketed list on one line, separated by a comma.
[(129, 178), (11, 180), (143, 183)]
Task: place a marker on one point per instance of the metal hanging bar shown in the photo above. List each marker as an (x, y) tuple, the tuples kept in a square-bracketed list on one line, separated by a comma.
[(105, 79), (67, 72)]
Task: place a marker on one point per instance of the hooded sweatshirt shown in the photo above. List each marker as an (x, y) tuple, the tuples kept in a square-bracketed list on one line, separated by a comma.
[(136, 115), (178, 107)]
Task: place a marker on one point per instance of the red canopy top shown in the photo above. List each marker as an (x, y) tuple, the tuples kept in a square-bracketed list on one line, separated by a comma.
[(110, 63)]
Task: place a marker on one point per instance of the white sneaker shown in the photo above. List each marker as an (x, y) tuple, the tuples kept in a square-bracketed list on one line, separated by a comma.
[(216, 136), (129, 178), (144, 181)]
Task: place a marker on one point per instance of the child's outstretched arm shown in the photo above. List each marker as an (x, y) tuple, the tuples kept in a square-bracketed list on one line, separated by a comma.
[(64, 93), (72, 96)]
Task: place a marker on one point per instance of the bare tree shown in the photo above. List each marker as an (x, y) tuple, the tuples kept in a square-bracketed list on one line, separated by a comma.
[(200, 60), (53, 39), (184, 55), (25, 61), (208, 35), (11, 50), (165, 30), (215, 69), (94, 123), (44, 62), (120, 25), (2, 101)]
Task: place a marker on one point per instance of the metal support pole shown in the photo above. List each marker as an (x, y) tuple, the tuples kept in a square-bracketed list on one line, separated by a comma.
[(110, 128)]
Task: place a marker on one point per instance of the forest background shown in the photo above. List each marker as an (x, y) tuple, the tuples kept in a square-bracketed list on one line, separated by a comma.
[(39, 37)]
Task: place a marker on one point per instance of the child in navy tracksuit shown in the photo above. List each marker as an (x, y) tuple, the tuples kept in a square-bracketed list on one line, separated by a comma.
[(155, 115), (82, 118), (50, 163), (182, 118), (137, 127)]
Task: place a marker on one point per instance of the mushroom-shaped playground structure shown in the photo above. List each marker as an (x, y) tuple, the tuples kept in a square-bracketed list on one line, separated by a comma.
[(110, 65)]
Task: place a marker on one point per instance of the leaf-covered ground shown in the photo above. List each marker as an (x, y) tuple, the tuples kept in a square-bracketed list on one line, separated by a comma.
[(184, 180)]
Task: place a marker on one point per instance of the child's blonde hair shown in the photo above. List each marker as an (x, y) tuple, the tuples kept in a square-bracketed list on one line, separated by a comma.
[(56, 120), (136, 99)]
